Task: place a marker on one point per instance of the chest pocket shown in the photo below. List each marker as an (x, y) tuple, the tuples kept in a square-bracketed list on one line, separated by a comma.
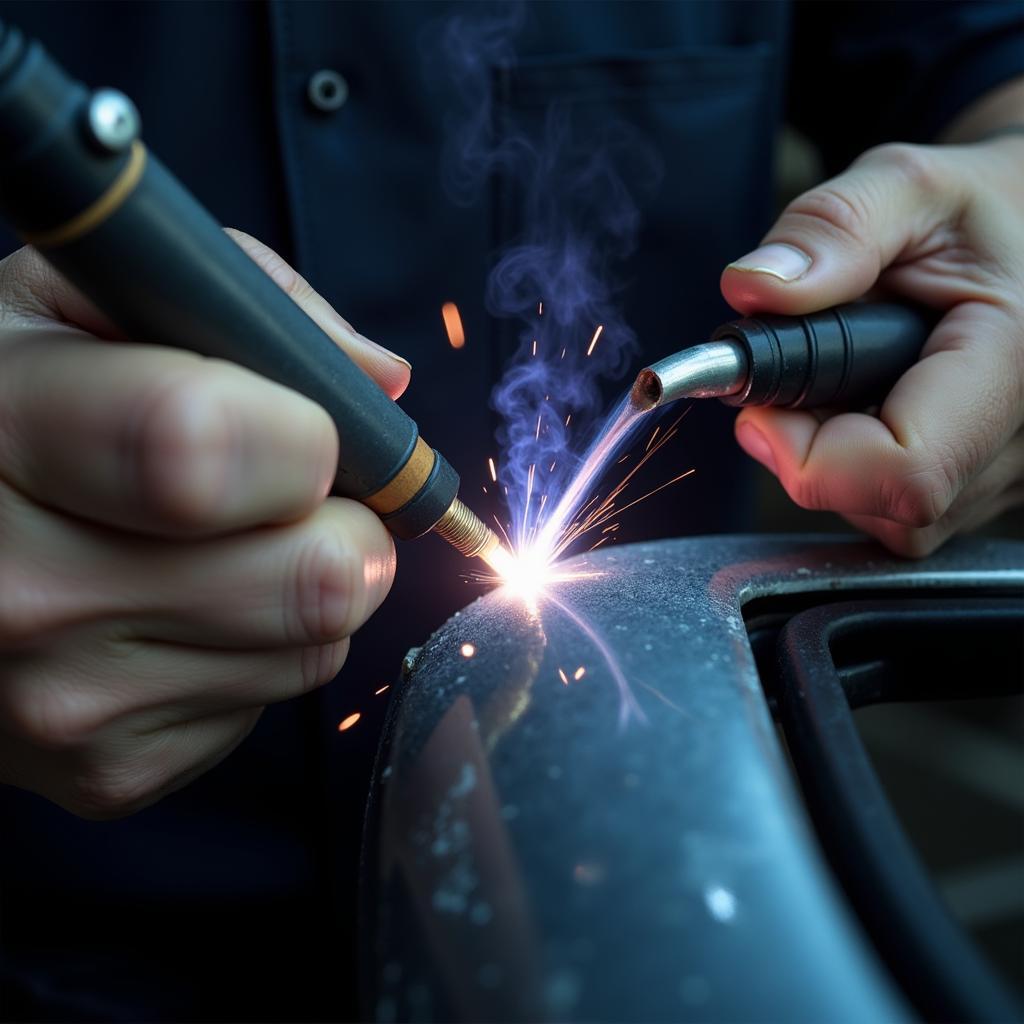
[(659, 164), (680, 140)]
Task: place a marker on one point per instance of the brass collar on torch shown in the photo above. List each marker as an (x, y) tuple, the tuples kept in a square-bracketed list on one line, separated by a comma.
[(406, 483), (97, 211)]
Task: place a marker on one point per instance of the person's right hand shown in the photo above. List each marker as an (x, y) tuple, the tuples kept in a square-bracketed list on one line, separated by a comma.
[(168, 561)]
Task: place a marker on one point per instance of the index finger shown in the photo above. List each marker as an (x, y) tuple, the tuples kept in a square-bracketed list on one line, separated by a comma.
[(156, 440)]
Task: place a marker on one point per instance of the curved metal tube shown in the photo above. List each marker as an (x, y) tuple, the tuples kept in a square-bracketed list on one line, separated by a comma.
[(715, 369)]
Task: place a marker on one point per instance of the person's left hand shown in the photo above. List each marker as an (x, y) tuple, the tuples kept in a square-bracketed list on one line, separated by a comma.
[(942, 226)]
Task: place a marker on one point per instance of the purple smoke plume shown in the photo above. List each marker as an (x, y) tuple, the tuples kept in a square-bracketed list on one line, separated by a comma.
[(579, 221)]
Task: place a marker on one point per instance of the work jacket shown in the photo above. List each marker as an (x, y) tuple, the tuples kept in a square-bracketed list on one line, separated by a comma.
[(388, 188)]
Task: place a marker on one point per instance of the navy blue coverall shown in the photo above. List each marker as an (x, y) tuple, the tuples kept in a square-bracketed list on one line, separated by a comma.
[(236, 898)]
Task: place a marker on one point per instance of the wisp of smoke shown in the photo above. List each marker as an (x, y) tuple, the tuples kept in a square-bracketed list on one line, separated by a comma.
[(575, 180)]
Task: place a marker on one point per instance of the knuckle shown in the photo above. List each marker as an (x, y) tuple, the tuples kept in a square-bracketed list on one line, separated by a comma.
[(808, 492), (280, 271), (319, 665), (917, 165), (844, 213), (326, 589), (49, 716), (181, 447), (918, 497)]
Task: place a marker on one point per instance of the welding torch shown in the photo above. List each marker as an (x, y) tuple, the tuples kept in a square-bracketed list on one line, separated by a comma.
[(77, 183), (847, 357)]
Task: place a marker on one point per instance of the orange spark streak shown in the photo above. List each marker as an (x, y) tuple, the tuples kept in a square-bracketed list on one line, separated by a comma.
[(377, 693), (467, 650), (579, 673), (529, 491), (651, 441), (494, 472), (563, 677), (453, 324), (605, 509), (347, 723), (502, 528), (593, 340)]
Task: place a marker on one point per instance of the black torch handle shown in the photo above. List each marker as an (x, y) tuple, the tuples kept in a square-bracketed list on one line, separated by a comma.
[(848, 356), (161, 267)]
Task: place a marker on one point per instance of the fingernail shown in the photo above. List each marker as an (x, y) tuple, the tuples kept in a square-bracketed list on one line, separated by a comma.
[(753, 442), (785, 262), (385, 351), (351, 332)]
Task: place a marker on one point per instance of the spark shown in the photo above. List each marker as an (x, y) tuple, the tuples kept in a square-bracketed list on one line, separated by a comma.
[(529, 491), (551, 468), (628, 706), (467, 650), (567, 418), (377, 693), (494, 472), (347, 723), (482, 488), (654, 434), (540, 308), (563, 677), (536, 435), (598, 512), (579, 673), (453, 324), (534, 347), (593, 340), (562, 356)]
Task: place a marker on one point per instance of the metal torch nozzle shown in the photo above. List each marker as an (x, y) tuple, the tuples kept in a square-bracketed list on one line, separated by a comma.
[(466, 532), (711, 370)]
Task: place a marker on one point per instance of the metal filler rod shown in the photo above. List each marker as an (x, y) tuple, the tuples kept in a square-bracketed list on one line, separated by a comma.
[(77, 182)]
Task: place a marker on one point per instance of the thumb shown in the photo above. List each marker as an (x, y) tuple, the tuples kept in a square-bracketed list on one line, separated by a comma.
[(831, 243), (389, 370)]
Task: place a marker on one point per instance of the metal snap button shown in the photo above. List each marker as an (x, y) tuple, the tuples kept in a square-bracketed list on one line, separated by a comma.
[(327, 90)]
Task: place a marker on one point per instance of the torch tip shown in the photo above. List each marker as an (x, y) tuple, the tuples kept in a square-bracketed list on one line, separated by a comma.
[(469, 535)]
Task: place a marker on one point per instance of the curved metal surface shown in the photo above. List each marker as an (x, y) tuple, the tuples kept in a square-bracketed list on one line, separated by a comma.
[(629, 844)]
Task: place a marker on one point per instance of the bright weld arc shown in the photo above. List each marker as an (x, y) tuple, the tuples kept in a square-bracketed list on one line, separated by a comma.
[(527, 566)]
